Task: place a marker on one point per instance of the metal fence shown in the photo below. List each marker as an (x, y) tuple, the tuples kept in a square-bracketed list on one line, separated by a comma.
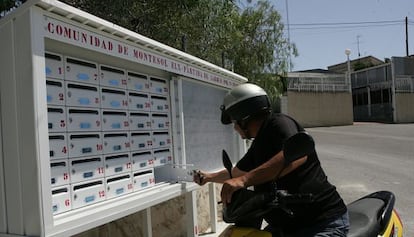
[(314, 82), (374, 89), (374, 112), (404, 74), (378, 77), (404, 83)]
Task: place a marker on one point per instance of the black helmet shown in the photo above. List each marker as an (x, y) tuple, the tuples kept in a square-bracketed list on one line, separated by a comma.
[(242, 102)]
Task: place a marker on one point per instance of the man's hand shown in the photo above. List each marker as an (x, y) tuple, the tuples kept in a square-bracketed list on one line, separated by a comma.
[(200, 177), (229, 187)]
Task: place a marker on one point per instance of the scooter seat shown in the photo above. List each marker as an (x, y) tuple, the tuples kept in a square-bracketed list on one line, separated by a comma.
[(364, 217)]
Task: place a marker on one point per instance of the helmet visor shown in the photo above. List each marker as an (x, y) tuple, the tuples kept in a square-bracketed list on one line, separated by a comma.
[(225, 117)]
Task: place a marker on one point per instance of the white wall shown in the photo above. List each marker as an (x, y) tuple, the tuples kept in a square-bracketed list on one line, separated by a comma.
[(314, 109)]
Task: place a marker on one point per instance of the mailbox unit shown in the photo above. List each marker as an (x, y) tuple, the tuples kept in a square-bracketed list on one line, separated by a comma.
[(93, 121)]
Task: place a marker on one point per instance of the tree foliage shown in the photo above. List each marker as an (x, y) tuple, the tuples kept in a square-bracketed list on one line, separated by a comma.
[(7, 6)]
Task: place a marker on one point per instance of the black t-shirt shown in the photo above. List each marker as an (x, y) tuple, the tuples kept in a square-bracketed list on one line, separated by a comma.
[(306, 179)]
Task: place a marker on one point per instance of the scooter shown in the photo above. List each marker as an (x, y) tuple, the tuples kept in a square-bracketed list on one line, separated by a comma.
[(370, 216)]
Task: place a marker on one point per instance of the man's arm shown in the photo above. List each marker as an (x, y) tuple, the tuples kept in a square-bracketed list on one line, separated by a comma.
[(221, 176), (270, 170)]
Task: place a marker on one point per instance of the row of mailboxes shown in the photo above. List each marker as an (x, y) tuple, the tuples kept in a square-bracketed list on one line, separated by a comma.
[(64, 93), (108, 129), (79, 70), (72, 196), (66, 171), (72, 145), (72, 119)]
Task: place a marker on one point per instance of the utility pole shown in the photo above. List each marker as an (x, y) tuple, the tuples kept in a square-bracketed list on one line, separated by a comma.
[(359, 54), (288, 31), (406, 37)]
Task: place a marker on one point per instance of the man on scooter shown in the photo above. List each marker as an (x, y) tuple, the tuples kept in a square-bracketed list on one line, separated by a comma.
[(248, 108)]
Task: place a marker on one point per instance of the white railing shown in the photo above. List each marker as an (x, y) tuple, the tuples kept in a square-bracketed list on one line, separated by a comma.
[(404, 83), (319, 88), (337, 83)]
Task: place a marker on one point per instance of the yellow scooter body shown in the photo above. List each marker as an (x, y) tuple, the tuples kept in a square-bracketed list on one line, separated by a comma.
[(233, 231), (394, 228)]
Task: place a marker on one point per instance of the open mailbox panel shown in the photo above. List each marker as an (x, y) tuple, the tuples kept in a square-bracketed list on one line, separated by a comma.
[(205, 136), (96, 120)]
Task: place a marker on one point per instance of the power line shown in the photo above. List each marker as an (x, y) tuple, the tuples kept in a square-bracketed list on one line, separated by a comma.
[(345, 25)]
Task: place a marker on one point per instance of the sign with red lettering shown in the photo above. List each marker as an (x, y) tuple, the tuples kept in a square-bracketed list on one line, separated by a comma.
[(72, 34)]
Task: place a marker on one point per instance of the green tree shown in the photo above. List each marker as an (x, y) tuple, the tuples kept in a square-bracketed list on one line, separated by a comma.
[(8, 5), (202, 28), (263, 50)]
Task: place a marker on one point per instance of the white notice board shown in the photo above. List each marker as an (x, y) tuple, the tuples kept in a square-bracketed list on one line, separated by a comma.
[(205, 135)]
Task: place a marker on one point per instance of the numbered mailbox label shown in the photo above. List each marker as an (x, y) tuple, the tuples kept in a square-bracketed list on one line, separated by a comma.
[(56, 119), (80, 120), (140, 121), (54, 65), (137, 82), (55, 92), (61, 199), (81, 71), (159, 104), (84, 144), (115, 121), (161, 139), (139, 101), (160, 121), (117, 164), (58, 147), (59, 172), (116, 142), (158, 86), (86, 169), (162, 157), (141, 141), (118, 185), (82, 95), (114, 99), (142, 160), (143, 179), (113, 77), (87, 193)]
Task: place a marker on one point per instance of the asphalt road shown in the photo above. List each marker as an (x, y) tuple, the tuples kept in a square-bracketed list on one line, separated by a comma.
[(367, 157)]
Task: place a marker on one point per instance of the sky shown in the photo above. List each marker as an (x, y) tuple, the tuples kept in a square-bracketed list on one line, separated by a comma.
[(379, 30)]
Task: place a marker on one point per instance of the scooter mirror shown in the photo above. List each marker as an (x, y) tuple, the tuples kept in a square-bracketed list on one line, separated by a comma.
[(297, 146), (227, 162)]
